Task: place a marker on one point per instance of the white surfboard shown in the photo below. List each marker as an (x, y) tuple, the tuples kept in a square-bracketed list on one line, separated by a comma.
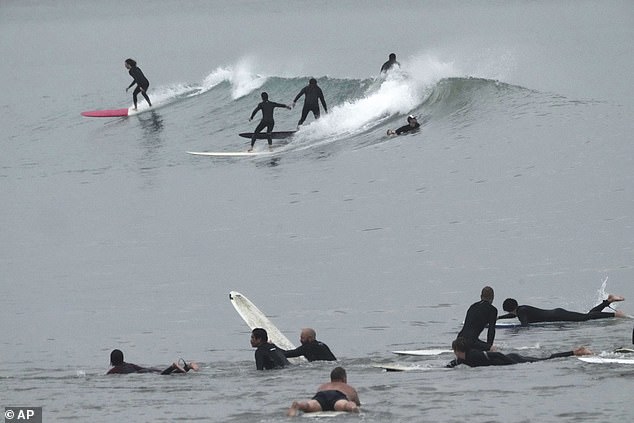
[(624, 350), (254, 318), (397, 367), (419, 353), (230, 153), (606, 360), (324, 414)]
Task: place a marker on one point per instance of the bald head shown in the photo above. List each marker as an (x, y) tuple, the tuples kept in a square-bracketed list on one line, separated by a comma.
[(308, 335)]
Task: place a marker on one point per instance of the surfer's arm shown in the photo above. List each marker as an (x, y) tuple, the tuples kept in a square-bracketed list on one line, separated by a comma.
[(297, 352), (255, 111), (301, 93), (323, 101), (286, 106), (507, 316)]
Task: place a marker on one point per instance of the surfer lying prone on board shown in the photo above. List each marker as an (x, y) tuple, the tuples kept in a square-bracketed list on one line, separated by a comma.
[(142, 84), (335, 395), (477, 358), (267, 121), (529, 314), (412, 126), (267, 355), (119, 366), (311, 348)]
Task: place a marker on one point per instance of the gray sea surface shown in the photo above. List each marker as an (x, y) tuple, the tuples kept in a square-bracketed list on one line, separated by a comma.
[(112, 236)]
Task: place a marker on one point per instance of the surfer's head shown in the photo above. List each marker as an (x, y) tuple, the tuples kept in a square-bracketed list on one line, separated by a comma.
[(510, 305), (265, 96), (259, 337), (460, 347), (487, 294), (312, 81), (392, 56), (116, 357), (338, 374), (307, 335), (130, 63)]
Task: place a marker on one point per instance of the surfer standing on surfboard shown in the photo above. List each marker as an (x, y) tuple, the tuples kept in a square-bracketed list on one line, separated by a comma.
[(267, 121), (311, 102), (139, 79)]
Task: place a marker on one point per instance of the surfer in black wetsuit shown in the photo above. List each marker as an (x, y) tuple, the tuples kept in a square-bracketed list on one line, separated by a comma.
[(267, 355), (267, 121), (142, 84), (311, 348), (336, 395), (529, 314), (119, 366), (311, 102), (479, 315), (412, 126), (390, 63), (477, 358)]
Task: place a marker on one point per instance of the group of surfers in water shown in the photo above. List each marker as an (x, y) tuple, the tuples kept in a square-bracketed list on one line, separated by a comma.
[(312, 94), (468, 348)]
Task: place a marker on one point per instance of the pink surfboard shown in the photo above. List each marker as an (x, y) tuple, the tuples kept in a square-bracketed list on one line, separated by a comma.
[(106, 113)]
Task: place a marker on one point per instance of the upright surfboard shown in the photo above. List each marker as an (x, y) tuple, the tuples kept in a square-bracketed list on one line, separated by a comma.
[(263, 136), (254, 318)]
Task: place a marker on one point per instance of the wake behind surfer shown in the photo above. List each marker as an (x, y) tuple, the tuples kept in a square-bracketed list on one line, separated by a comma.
[(335, 395), (142, 84), (313, 94), (479, 315), (311, 348), (267, 355), (529, 314), (267, 107)]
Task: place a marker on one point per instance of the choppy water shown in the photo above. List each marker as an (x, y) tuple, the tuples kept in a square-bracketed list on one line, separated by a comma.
[(114, 237)]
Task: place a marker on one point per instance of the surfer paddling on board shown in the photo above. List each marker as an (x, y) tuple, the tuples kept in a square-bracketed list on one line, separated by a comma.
[(313, 95), (267, 355), (139, 79), (479, 315), (476, 358), (311, 348), (119, 366), (412, 126), (529, 314), (267, 121), (335, 395), (390, 63)]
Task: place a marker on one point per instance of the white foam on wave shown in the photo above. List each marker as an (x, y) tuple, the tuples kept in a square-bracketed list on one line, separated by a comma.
[(400, 92), (243, 80)]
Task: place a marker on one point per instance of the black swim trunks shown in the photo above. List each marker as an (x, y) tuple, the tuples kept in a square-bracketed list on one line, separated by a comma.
[(327, 399)]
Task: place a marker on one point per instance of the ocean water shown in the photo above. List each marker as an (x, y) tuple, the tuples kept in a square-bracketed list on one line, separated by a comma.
[(114, 237)]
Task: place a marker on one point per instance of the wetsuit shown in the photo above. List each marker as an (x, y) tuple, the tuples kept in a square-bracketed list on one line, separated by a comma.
[(529, 314), (388, 65), (407, 128), (267, 121), (313, 351), (327, 399), (479, 315), (127, 368), (311, 101), (476, 358), (269, 356), (141, 82)]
